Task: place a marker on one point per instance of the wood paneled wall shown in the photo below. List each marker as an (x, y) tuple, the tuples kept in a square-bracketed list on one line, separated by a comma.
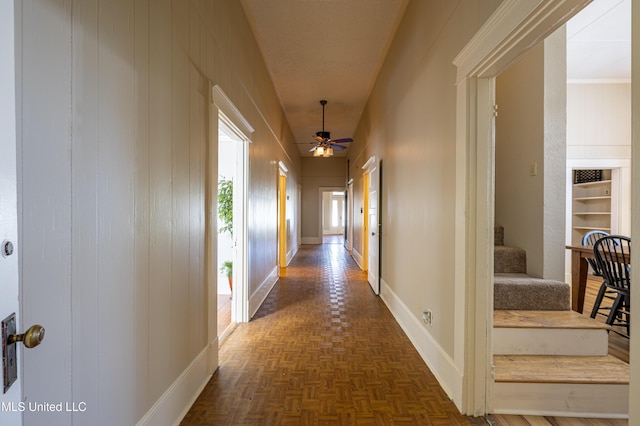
[(113, 104)]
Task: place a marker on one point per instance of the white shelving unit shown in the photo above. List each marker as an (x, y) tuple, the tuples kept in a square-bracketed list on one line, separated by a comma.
[(591, 206)]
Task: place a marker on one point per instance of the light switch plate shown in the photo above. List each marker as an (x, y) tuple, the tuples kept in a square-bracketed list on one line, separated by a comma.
[(9, 360)]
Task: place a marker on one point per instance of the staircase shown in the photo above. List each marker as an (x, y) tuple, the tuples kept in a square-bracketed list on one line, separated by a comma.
[(513, 289), (549, 360)]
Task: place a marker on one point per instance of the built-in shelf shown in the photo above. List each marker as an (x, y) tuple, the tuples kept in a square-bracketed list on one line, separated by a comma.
[(587, 199), (591, 206), (595, 183), (591, 228)]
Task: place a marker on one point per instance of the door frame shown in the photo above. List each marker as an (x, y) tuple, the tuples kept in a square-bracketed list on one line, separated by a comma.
[(372, 165), (222, 108), (9, 267), (511, 31), (321, 191), (350, 216), (282, 215)]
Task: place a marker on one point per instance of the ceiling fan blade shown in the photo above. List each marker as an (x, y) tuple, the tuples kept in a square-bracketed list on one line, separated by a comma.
[(338, 146), (343, 140), (319, 139)]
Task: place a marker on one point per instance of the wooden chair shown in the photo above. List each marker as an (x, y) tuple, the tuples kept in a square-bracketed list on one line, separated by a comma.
[(613, 257), (589, 240)]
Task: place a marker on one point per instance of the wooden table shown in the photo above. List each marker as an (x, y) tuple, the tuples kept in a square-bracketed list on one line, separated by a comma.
[(579, 269)]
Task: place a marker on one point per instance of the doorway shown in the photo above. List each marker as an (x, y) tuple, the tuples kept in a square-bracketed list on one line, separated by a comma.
[(332, 214), (349, 225), (231, 229), (283, 224), (371, 179)]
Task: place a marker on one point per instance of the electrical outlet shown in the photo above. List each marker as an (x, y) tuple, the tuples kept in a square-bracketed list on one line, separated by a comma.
[(533, 169), (427, 316)]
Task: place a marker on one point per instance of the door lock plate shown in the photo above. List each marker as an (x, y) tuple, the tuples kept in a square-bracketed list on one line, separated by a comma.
[(9, 361)]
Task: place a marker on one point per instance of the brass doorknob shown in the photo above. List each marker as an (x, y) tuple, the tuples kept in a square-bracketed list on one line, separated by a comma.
[(31, 338)]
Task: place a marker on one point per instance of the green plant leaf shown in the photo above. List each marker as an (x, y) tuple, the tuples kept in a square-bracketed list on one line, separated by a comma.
[(225, 205)]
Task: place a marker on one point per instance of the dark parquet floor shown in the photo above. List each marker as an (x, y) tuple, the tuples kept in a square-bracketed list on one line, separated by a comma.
[(322, 350)]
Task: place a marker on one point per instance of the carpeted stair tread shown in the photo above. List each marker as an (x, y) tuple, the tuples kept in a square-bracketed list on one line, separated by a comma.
[(509, 260), (522, 292), (498, 235)]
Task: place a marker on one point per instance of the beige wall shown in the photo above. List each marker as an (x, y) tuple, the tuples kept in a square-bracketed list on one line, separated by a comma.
[(530, 133), (410, 124), (113, 106), (598, 120), (599, 136), (318, 173)]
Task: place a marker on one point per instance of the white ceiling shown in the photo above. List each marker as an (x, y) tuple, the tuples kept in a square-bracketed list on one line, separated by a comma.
[(599, 42), (333, 50), (323, 49)]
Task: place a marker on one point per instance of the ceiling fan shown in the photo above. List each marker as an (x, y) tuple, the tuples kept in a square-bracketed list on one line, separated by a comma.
[(324, 145)]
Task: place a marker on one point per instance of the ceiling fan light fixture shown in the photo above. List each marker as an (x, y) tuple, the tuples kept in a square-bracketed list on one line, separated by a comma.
[(324, 145)]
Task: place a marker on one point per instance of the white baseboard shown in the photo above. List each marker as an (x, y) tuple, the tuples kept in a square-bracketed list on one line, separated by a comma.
[(177, 400), (291, 254), (258, 296), (439, 362), (358, 258), (311, 240)]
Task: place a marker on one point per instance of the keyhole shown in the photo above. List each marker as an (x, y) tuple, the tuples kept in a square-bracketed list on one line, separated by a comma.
[(7, 248)]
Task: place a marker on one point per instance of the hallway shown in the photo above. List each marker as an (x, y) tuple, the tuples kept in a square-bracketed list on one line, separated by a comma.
[(322, 349)]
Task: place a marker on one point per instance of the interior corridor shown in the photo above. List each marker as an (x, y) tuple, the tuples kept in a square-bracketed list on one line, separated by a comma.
[(322, 349)]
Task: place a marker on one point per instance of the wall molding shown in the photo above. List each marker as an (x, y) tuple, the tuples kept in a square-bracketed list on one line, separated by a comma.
[(263, 290), (311, 240), (228, 109), (357, 257), (514, 28), (438, 361), (176, 401)]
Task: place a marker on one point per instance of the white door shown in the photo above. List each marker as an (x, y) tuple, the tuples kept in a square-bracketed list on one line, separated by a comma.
[(336, 219), (374, 228), (10, 413)]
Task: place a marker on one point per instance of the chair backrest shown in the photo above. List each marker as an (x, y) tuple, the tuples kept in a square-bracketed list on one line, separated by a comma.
[(613, 255), (589, 240), (591, 237)]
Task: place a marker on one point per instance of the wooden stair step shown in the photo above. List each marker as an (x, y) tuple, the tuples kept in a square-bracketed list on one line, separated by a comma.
[(545, 319), (548, 333), (560, 369)]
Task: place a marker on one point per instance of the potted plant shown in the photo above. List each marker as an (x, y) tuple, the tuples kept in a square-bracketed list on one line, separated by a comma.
[(227, 269)]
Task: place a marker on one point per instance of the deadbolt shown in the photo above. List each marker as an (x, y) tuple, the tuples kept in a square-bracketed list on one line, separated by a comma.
[(32, 338)]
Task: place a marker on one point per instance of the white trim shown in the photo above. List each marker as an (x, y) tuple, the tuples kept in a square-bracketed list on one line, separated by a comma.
[(177, 400), (321, 191), (233, 119), (357, 257), (436, 358), (599, 81), (311, 240), (261, 293), (370, 164), (513, 28), (227, 107), (283, 169)]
